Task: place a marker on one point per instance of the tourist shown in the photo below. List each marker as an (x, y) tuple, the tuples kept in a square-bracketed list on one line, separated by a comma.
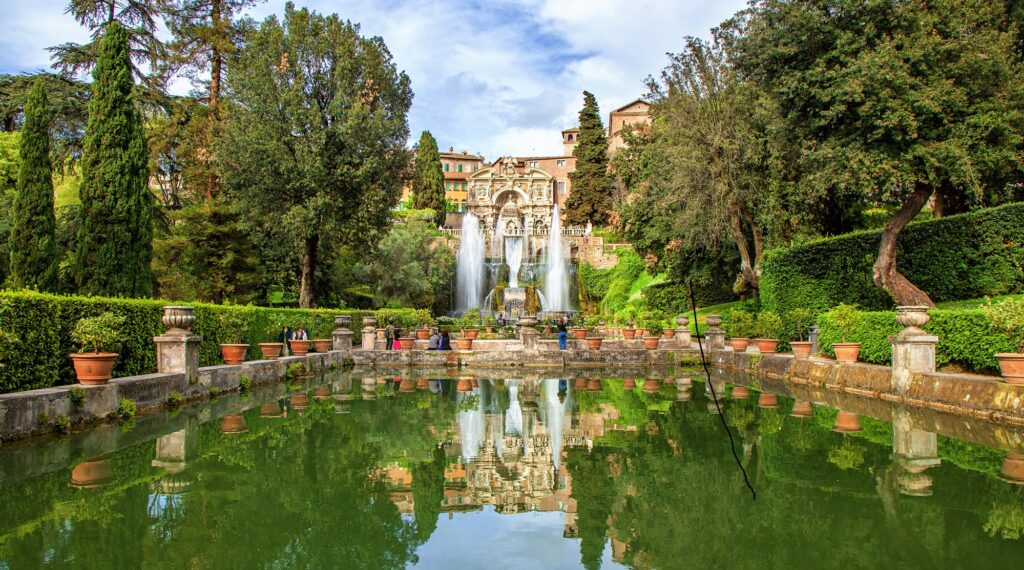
[(397, 333), (389, 335), (284, 337), (563, 333), (300, 334), (435, 340), (445, 342), (501, 319)]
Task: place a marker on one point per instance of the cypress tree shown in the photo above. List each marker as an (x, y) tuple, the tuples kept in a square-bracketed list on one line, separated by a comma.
[(33, 242), (115, 239), (428, 185), (591, 195)]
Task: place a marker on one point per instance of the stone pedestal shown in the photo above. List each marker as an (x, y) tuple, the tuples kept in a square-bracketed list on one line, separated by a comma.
[(913, 350), (342, 339), (178, 353), (528, 333), (715, 335), (683, 334), (369, 333)]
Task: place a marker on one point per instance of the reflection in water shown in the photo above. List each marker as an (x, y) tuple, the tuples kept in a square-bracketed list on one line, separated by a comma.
[(615, 475)]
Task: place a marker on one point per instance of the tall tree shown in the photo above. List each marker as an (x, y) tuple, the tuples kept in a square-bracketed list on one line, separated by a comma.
[(592, 187), (115, 238), (314, 144), (898, 101), (67, 100), (428, 184), (205, 37), (32, 242)]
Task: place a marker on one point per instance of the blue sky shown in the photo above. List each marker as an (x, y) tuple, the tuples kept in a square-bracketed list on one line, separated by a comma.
[(498, 77)]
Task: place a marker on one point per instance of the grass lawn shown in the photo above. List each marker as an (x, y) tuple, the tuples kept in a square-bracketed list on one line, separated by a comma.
[(65, 190), (973, 303), (721, 309)]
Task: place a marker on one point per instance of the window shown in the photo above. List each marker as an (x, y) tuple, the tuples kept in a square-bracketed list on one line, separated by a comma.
[(533, 164), (560, 163), (561, 188), (570, 137), (460, 168), (446, 167), (464, 184)]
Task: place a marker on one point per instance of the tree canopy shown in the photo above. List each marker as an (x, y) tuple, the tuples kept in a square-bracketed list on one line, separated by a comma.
[(591, 196), (428, 184)]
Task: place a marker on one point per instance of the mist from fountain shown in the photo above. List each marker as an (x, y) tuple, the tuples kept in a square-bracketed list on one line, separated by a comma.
[(469, 272), (556, 284)]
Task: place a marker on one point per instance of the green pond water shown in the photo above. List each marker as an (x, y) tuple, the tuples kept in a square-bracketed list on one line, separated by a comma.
[(354, 470)]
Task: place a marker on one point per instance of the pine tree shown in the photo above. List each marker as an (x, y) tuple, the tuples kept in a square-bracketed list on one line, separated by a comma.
[(428, 184), (591, 197), (33, 239), (115, 239)]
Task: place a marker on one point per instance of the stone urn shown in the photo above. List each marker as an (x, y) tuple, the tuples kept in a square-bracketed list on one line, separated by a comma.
[(233, 423), (370, 322), (92, 474), (767, 345), (767, 400), (912, 317), (802, 409), (342, 321), (178, 318), (594, 342), (651, 342), (739, 344), (740, 393), (683, 321), (233, 353), (628, 333), (714, 321), (322, 344), (846, 422)]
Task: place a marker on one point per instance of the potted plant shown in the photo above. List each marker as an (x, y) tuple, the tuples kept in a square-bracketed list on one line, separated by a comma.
[(800, 319), (1008, 318), (234, 323), (739, 325), (628, 332), (846, 318), (298, 346), (94, 334), (423, 333), (579, 330), (275, 329), (468, 322), (489, 323), (407, 342), (769, 328)]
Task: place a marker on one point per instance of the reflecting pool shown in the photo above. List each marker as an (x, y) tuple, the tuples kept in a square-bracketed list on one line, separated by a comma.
[(516, 470)]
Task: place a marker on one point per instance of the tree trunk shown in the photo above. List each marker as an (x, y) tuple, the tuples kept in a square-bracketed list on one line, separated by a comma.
[(748, 266), (309, 261), (948, 201), (886, 276)]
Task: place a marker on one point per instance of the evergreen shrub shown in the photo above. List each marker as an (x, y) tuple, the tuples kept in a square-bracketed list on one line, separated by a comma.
[(958, 257)]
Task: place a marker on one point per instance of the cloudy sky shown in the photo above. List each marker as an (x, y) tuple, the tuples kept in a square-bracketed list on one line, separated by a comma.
[(497, 76)]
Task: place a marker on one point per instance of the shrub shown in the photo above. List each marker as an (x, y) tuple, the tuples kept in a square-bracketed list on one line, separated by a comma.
[(126, 410), (769, 325), (174, 399), (77, 396), (739, 324), (405, 318), (957, 257), (214, 392), (846, 318), (101, 332), (244, 383), (62, 423), (1008, 318), (799, 321)]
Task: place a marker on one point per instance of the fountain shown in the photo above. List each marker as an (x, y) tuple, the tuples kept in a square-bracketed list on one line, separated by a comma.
[(556, 286), (469, 277)]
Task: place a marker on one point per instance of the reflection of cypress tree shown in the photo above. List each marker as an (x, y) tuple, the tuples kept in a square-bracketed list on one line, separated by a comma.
[(428, 492), (594, 493)]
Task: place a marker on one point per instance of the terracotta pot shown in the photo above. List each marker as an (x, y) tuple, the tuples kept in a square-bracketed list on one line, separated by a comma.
[(322, 344), (300, 401), (668, 333), (767, 400), (629, 384), (651, 386), (740, 393), (233, 353), (407, 342), (594, 386), (580, 384), (767, 345), (801, 349), (579, 333), (422, 384), (299, 347), (270, 410), (846, 422), (452, 359), (802, 409), (471, 334), (92, 474), (1012, 366), (489, 329), (381, 334), (651, 342), (464, 385), (93, 368), (641, 333), (233, 423), (628, 334), (846, 351), (547, 330), (423, 334), (739, 344), (406, 385), (463, 344), (322, 392), (271, 350), (1013, 467), (594, 342), (475, 383)]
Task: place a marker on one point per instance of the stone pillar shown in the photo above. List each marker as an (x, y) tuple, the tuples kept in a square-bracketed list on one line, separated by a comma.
[(528, 333), (369, 332), (913, 349), (715, 335), (813, 338), (683, 331), (177, 350), (342, 336)]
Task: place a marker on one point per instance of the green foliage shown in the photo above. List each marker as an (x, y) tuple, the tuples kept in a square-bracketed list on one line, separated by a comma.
[(62, 424), (214, 392), (126, 410), (77, 396), (102, 332), (40, 327), (672, 298), (845, 317), (1008, 318), (244, 383), (739, 324), (115, 240), (957, 257), (770, 325), (174, 399), (9, 159), (411, 269), (428, 181), (592, 284), (966, 339), (591, 196), (651, 320), (32, 240), (799, 321), (405, 318)]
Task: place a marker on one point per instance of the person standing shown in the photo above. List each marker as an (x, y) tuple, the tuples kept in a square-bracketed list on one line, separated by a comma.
[(389, 335), (434, 342), (563, 333), (284, 337), (397, 334)]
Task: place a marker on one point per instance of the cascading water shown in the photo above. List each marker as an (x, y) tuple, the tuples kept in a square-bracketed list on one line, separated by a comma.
[(469, 272), (514, 258), (556, 282)]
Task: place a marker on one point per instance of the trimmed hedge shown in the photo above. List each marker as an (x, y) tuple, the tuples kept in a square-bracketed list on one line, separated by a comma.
[(36, 329), (958, 257), (670, 298), (965, 338)]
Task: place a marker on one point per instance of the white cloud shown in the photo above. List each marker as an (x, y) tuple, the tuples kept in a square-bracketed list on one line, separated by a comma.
[(499, 77)]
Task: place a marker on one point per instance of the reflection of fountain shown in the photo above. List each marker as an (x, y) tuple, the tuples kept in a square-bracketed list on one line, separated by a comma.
[(470, 269)]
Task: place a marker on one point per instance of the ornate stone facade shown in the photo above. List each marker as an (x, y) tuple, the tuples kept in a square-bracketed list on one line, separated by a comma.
[(521, 198)]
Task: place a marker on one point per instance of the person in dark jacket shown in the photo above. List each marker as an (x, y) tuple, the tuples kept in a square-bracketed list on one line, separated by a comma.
[(445, 342), (563, 333)]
